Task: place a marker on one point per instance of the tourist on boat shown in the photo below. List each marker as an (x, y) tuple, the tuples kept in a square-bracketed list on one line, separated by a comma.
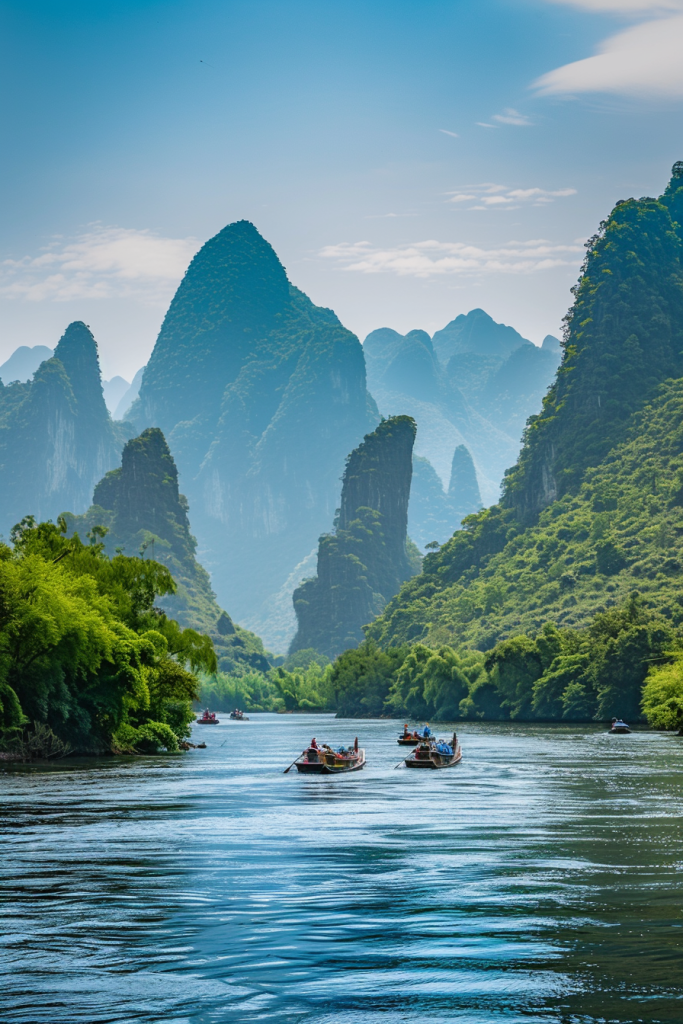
[(426, 732), (314, 745)]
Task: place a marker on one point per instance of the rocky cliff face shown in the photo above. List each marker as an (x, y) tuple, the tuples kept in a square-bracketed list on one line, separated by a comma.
[(140, 505), (56, 436), (624, 337), (261, 395), (363, 563)]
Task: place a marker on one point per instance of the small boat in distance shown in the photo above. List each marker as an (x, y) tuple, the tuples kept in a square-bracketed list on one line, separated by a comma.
[(432, 753), (324, 760), (619, 727), (208, 718), (411, 739), (238, 716)]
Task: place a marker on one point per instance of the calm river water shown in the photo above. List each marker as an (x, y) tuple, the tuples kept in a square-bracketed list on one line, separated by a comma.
[(539, 881)]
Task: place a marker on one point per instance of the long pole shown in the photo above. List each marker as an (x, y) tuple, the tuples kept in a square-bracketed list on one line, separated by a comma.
[(399, 764), (292, 764)]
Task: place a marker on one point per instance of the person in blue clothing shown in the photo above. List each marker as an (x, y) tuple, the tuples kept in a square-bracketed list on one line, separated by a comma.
[(426, 732)]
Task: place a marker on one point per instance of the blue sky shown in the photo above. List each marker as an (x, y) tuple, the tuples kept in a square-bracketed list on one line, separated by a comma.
[(407, 160)]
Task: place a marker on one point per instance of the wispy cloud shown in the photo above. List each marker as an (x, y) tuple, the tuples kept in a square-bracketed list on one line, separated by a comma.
[(644, 60), (485, 124), (101, 263), (431, 258), (454, 135), (512, 116), (489, 195)]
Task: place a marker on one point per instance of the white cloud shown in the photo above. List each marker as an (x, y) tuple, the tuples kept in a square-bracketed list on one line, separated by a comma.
[(483, 124), (489, 195), (512, 116), (101, 263), (645, 60), (453, 135), (431, 258)]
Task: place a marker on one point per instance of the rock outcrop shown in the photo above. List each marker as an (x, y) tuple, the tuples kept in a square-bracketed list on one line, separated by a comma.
[(363, 563), (56, 436), (261, 395), (144, 513)]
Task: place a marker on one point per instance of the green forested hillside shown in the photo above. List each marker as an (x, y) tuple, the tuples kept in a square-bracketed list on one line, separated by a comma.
[(143, 514), (624, 336), (572, 586), (622, 531)]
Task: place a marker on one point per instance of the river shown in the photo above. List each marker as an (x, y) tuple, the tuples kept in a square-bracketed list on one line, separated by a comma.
[(538, 881)]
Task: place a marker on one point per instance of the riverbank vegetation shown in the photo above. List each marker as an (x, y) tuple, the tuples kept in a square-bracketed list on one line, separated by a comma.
[(83, 651)]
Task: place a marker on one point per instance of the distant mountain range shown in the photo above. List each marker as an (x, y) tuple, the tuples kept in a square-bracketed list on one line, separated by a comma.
[(261, 396)]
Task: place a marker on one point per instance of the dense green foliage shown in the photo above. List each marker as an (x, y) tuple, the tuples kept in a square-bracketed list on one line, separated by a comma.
[(589, 674), (663, 696), (141, 508), (84, 652), (363, 563), (303, 689)]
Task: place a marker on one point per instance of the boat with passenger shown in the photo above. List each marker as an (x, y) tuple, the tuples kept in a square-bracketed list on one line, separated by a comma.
[(238, 716), (208, 718), (322, 759), (431, 753), (619, 727), (411, 739)]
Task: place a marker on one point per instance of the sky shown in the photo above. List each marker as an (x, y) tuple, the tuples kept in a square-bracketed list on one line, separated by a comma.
[(408, 161)]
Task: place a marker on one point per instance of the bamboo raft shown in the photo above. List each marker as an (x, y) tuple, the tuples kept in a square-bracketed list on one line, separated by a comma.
[(323, 760), (427, 755)]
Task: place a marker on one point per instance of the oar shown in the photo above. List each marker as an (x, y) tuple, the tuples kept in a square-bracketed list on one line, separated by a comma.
[(292, 764), (399, 764)]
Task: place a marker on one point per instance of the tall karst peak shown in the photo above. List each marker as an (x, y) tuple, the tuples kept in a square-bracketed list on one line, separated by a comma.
[(78, 354), (260, 394), (364, 562), (229, 300), (57, 438), (463, 488), (144, 491), (476, 332), (144, 513)]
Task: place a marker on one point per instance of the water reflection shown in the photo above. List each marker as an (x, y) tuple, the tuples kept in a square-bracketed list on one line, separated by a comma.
[(537, 881)]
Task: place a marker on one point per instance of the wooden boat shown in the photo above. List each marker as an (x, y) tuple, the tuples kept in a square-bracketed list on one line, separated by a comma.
[(411, 739), (619, 727), (323, 760), (428, 755), (208, 718), (238, 716)]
